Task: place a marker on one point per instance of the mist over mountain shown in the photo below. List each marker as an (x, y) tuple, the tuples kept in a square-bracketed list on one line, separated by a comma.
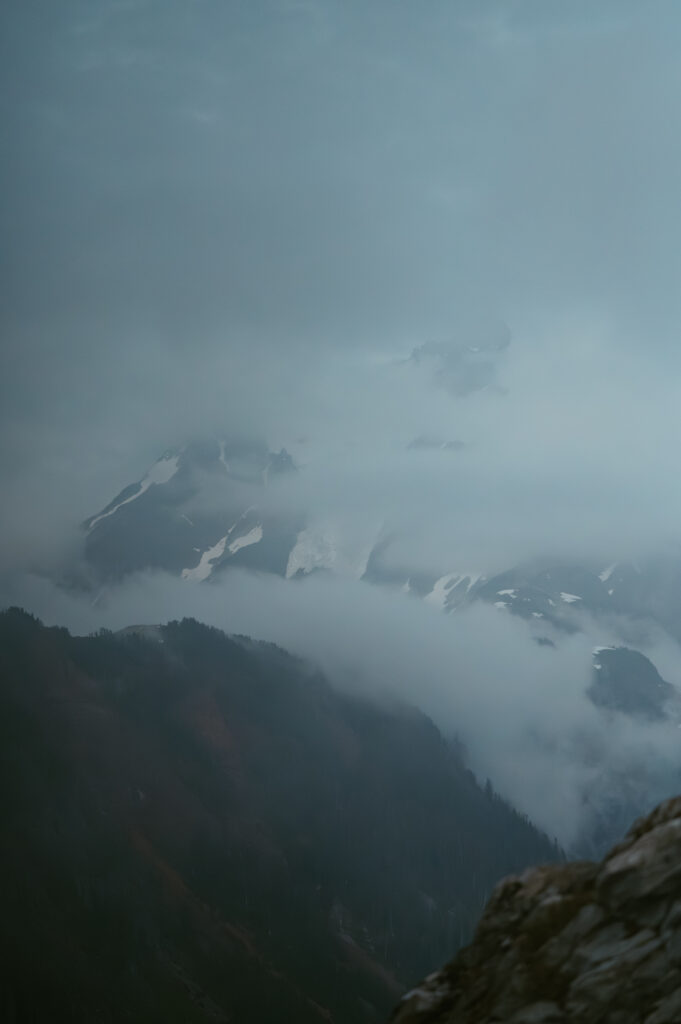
[(232, 532), (354, 329), (222, 221)]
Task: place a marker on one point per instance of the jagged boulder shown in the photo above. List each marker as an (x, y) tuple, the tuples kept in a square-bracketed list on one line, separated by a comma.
[(587, 942)]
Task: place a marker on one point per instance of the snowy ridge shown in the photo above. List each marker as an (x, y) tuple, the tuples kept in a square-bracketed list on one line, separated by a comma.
[(160, 473)]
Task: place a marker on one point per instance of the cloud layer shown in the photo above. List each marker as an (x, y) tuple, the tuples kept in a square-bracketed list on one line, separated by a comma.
[(226, 218), (520, 709), (217, 215)]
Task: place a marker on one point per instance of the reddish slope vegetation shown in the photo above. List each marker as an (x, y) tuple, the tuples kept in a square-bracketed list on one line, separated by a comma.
[(198, 828)]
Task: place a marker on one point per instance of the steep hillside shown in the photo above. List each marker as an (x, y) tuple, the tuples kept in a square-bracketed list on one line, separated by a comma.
[(198, 828)]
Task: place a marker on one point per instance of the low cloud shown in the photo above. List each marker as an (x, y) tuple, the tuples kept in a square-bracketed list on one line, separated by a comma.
[(242, 219), (519, 708)]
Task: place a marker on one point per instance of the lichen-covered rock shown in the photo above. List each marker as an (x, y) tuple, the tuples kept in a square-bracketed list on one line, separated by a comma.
[(579, 942)]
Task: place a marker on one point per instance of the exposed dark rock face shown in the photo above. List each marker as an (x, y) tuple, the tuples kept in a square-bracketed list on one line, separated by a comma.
[(587, 942), (626, 681)]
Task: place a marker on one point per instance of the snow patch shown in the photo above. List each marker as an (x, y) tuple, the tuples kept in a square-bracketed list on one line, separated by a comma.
[(205, 567), (209, 557), (607, 573), (511, 593), (440, 591), (160, 473), (252, 537), (569, 598), (326, 547)]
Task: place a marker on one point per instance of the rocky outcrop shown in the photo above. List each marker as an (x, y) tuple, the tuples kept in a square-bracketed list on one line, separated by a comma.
[(586, 942)]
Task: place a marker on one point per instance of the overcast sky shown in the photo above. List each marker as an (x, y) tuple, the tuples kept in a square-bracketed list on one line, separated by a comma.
[(205, 201), (243, 215), (224, 215)]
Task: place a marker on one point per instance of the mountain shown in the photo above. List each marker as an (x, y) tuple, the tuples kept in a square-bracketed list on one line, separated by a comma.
[(198, 510), (558, 593), (464, 366), (206, 508), (214, 505), (198, 828), (626, 681), (553, 600), (580, 943)]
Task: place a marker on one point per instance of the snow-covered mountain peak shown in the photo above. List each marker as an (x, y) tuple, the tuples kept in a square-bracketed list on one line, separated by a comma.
[(197, 509)]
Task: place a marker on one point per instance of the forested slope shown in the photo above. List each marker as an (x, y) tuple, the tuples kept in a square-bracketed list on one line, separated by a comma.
[(199, 828)]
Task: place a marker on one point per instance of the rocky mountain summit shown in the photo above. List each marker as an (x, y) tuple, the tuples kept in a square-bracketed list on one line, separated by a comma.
[(587, 942)]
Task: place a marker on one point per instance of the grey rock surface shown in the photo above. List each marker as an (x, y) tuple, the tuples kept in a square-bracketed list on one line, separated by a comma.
[(594, 943)]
